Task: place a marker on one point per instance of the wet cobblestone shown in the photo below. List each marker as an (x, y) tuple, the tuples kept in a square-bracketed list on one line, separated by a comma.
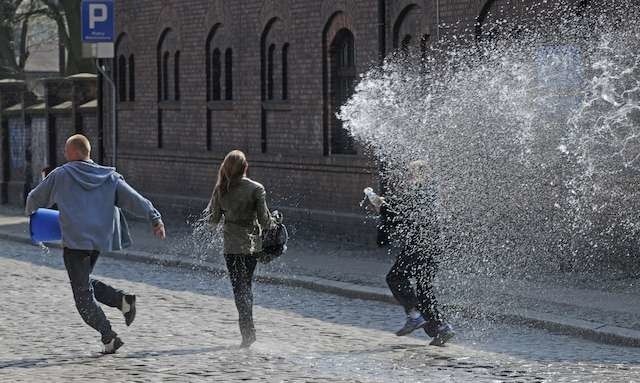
[(186, 332)]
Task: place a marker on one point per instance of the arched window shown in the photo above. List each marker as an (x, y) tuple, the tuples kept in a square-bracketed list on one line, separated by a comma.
[(505, 19), (270, 82), (228, 74), (273, 77), (285, 71), (122, 78), (176, 76), (165, 76), (120, 70), (216, 73), (168, 56), (132, 78), (343, 77)]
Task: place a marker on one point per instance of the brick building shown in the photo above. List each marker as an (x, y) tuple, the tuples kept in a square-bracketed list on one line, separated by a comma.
[(197, 78)]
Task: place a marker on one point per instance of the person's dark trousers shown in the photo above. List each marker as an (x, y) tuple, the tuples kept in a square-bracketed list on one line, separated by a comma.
[(241, 268), (410, 265), (86, 290)]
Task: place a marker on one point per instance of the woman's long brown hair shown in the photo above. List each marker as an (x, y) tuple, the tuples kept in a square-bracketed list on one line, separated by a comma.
[(232, 169)]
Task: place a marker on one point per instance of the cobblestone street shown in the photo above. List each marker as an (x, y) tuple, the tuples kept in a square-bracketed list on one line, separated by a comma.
[(186, 331)]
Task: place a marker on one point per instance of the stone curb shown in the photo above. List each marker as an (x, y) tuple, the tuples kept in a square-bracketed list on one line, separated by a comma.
[(598, 332)]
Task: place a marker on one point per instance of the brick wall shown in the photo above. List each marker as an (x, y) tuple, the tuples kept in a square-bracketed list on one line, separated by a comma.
[(299, 175)]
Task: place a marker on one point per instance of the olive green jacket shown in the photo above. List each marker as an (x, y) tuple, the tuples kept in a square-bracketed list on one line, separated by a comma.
[(245, 213)]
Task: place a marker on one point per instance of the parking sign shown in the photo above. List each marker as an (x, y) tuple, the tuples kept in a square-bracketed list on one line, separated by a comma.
[(97, 21)]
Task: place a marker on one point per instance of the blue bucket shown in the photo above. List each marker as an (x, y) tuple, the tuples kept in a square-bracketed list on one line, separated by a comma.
[(45, 226)]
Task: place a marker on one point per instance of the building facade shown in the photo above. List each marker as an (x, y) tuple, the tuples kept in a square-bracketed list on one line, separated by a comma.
[(199, 78)]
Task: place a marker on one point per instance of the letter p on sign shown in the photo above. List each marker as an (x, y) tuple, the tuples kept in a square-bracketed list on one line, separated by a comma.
[(97, 14), (98, 25)]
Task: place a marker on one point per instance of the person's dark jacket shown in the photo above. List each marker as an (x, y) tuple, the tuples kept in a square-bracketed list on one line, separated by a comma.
[(410, 218)]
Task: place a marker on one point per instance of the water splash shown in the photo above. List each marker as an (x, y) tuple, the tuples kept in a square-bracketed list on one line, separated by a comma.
[(44, 250), (205, 241), (533, 138)]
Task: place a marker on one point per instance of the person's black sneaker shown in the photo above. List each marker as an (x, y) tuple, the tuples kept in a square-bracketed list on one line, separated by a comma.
[(445, 333), (412, 325), (129, 308), (112, 346)]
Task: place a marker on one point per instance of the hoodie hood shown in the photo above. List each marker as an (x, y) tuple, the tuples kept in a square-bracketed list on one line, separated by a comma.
[(89, 174)]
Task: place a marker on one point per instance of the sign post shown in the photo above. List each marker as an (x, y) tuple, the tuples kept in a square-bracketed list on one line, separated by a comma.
[(98, 33)]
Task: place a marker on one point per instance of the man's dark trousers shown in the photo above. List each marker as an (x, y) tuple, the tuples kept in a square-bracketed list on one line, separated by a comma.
[(421, 267), (86, 291)]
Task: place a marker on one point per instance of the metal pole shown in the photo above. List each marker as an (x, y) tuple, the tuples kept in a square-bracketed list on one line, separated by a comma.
[(113, 111), (438, 20)]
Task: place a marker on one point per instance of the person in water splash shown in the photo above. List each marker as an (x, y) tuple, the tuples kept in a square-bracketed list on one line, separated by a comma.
[(412, 226), (241, 201), (89, 197)]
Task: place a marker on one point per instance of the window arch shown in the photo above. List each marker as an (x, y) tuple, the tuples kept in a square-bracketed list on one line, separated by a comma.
[(407, 27), (274, 50), (275, 61), (343, 77), (507, 18), (228, 74), (219, 69), (168, 57), (124, 69)]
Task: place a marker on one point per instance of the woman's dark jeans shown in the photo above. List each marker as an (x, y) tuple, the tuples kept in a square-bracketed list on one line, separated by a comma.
[(241, 268)]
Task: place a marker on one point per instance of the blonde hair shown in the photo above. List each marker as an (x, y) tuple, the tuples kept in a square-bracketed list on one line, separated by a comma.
[(80, 143), (232, 168)]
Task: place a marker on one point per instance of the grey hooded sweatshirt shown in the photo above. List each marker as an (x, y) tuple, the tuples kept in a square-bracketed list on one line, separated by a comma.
[(88, 196)]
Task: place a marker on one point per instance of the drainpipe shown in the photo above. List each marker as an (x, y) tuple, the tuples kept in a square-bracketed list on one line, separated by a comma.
[(382, 52), (382, 29), (438, 19), (114, 111)]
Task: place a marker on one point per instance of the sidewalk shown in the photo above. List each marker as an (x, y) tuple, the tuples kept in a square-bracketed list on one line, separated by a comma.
[(604, 308)]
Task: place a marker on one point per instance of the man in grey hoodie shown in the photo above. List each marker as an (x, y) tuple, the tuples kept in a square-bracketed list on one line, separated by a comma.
[(89, 197)]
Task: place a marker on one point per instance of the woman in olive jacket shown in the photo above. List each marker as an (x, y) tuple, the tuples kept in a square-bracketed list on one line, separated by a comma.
[(242, 203)]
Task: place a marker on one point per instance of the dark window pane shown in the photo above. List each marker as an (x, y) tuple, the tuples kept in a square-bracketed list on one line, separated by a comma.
[(285, 71), (122, 78), (216, 70), (406, 43), (343, 76), (132, 78), (176, 76), (272, 49), (228, 74), (165, 76)]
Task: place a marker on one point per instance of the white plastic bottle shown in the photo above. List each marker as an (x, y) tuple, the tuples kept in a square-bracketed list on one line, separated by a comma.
[(375, 199)]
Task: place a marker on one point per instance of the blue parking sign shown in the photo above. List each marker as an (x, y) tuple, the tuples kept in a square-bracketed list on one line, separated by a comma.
[(98, 21)]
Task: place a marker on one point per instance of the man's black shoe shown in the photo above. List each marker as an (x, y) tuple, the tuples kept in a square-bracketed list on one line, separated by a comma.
[(129, 308), (112, 346)]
